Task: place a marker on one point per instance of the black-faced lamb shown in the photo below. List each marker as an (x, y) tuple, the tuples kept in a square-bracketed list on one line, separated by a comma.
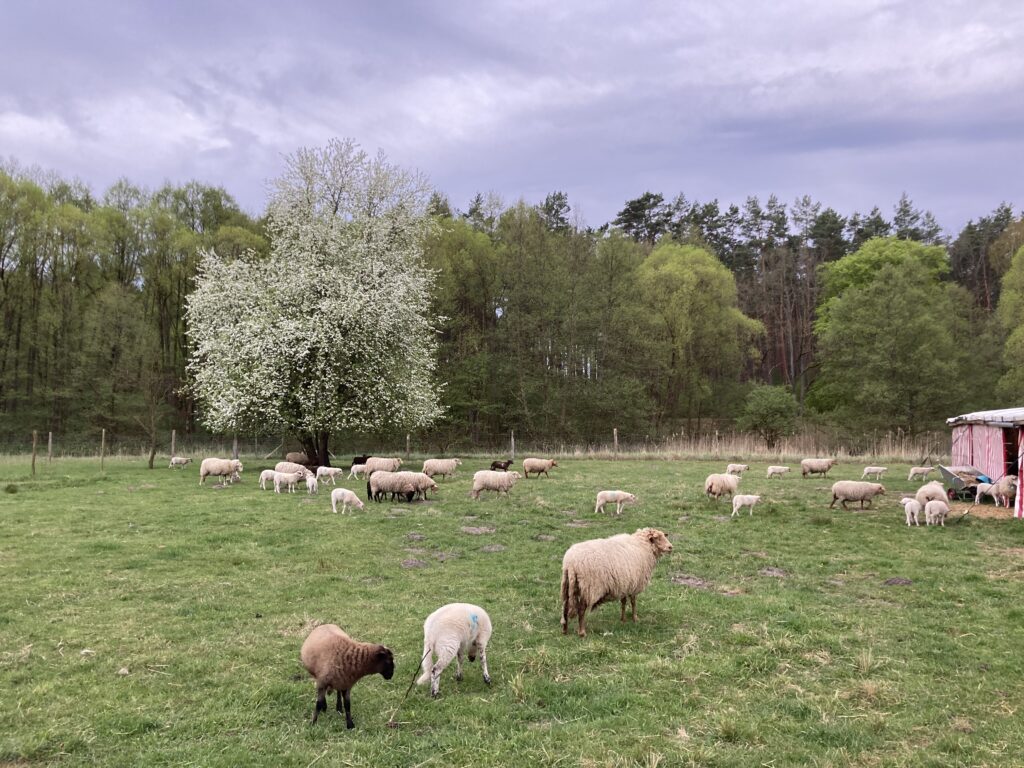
[(448, 633), (602, 570), (442, 467), (178, 461), (222, 468), (488, 480), (876, 472), (619, 498), (337, 662), (817, 466), (718, 485), (346, 497), (501, 466), (537, 466), (855, 490)]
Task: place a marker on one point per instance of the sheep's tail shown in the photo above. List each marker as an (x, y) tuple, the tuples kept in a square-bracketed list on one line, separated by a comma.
[(567, 602), (369, 493), (425, 665)]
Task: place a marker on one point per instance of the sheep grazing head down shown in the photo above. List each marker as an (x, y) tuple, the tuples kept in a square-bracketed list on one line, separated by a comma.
[(660, 544), (386, 663)]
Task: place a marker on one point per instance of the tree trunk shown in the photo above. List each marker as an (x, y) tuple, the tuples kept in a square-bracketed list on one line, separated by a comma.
[(315, 448)]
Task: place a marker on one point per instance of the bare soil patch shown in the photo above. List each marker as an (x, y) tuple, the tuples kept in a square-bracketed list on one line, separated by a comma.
[(478, 530), (415, 536), (413, 563), (897, 581), (771, 570), (577, 524)]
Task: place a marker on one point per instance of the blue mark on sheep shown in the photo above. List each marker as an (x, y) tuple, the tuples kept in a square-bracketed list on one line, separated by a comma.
[(473, 618)]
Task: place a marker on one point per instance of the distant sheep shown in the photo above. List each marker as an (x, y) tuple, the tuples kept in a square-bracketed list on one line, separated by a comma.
[(741, 501), (619, 498), (297, 457), (538, 466), (876, 472), (323, 474), (935, 512), (288, 479), (291, 466), (817, 466), (1005, 490), (930, 491), (360, 459), (855, 490), (178, 461), (919, 473), (602, 570), (736, 469), (774, 471), (420, 481), (347, 498), (442, 467), (337, 662), (356, 471), (222, 468), (448, 633), (380, 483), (719, 485), (377, 463), (501, 466), (912, 509), (489, 480), (312, 486)]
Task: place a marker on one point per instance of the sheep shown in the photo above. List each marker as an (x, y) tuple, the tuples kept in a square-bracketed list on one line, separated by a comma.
[(375, 463), (930, 491), (501, 466), (720, 485), (291, 466), (741, 501), (912, 509), (488, 480), (266, 476), (1005, 490), (817, 466), (855, 490), (346, 497), (360, 459), (984, 489), (323, 474), (774, 471), (935, 512), (619, 498), (178, 461), (222, 468), (356, 470), (601, 570), (288, 479), (420, 481), (448, 633), (380, 483), (337, 662), (443, 467), (297, 457), (736, 469), (538, 466), (919, 473), (876, 471), (312, 486)]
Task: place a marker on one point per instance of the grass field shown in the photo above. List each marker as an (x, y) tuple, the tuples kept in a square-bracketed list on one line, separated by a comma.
[(147, 621)]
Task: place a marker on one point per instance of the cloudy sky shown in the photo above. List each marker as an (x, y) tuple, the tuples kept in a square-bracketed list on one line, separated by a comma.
[(849, 101)]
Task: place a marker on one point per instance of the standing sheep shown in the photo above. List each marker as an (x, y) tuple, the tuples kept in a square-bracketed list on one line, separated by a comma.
[(291, 466), (356, 471), (266, 476), (346, 497), (601, 570), (985, 489), (736, 469), (817, 466), (323, 474), (287, 479), (312, 486), (919, 473), (222, 468), (774, 471), (178, 461), (619, 498), (930, 491), (1005, 489), (337, 662), (501, 466), (421, 482), (741, 501), (448, 633), (912, 509), (489, 480), (855, 490), (381, 483), (538, 466), (720, 485), (442, 467), (877, 472), (935, 512), (375, 463)]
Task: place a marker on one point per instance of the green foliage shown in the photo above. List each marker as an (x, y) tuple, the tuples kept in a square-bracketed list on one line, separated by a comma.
[(1011, 316), (770, 412)]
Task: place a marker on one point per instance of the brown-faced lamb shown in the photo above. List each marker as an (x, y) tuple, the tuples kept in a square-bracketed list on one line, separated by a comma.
[(538, 466), (179, 461), (619, 498), (376, 463), (744, 500), (442, 467), (346, 497), (602, 570), (501, 466), (817, 466), (222, 468), (448, 633), (337, 662), (930, 491), (325, 474), (855, 490), (774, 471), (876, 472), (736, 469), (919, 473), (488, 480), (911, 509), (718, 485), (381, 483), (935, 512), (1005, 490)]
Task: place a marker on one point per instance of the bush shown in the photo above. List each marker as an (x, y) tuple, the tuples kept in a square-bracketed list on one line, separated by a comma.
[(770, 412)]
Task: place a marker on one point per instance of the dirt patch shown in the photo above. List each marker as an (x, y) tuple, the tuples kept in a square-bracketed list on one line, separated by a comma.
[(771, 570), (569, 512), (897, 581), (980, 511), (544, 537), (577, 524), (412, 563), (478, 530), (693, 582), (493, 548), (415, 536)]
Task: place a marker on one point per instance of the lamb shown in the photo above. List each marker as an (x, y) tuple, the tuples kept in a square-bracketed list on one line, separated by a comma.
[(375, 463), (1005, 489), (935, 512), (488, 480), (443, 467), (381, 483), (736, 469), (501, 466), (601, 570), (420, 481), (288, 479), (720, 485), (360, 459), (266, 476), (985, 489), (876, 471), (919, 473), (222, 468), (741, 501), (855, 490), (297, 457), (346, 497), (620, 499), (912, 509), (337, 662), (817, 466), (449, 632), (356, 471), (312, 486), (323, 474), (291, 466), (774, 471), (178, 461), (930, 491), (538, 466)]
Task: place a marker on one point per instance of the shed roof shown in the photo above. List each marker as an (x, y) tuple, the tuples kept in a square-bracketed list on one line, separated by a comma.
[(1004, 417)]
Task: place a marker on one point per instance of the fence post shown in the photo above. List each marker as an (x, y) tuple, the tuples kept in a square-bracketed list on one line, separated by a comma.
[(49, 447), (103, 447), (615, 441), (408, 445), (35, 438), (174, 442), (512, 435)]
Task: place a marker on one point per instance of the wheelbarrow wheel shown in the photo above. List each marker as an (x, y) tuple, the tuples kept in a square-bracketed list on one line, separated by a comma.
[(951, 493)]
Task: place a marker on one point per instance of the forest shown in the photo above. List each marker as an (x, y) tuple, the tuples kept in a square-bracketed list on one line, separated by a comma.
[(678, 316)]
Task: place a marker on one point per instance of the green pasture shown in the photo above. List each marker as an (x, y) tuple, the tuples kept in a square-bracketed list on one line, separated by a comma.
[(147, 621)]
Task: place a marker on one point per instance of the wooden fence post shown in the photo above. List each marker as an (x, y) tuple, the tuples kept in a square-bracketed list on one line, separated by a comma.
[(615, 441), (512, 434), (103, 447), (49, 447), (35, 439), (174, 442)]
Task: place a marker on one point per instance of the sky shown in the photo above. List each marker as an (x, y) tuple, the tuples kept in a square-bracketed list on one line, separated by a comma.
[(850, 102)]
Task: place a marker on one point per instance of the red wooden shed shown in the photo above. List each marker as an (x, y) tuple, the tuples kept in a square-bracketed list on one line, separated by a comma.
[(993, 442)]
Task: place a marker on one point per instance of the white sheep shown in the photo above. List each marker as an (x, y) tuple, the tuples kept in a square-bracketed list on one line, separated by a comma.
[(935, 512), (222, 468), (741, 501), (312, 486), (602, 570), (538, 466), (291, 466), (346, 497), (356, 470), (719, 485), (490, 480), (919, 473), (736, 469), (380, 483), (337, 662), (985, 489), (930, 491), (817, 466), (912, 509), (266, 476), (178, 461), (1005, 490), (420, 481), (442, 467), (378, 463), (325, 474), (855, 490), (448, 633), (287, 479), (774, 471), (619, 498), (876, 472)]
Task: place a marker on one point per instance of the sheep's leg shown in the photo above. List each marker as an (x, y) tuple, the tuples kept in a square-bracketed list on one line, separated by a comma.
[(445, 654), (581, 615), (565, 602), (632, 605), (458, 665), (834, 500), (622, 612), (483, 664), (343, 695), (321, 702)]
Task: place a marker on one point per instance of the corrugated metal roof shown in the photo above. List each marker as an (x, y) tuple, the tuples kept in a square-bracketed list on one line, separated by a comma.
[(1004, 417)]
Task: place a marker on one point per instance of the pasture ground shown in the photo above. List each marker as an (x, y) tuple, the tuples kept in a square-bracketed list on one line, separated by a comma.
[(147, 621)]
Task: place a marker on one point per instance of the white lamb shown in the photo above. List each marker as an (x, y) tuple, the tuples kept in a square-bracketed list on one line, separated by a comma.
[(919, 473), (448, 633), (935, 512), (736, 469), (356, 470), (876, 472), (178, 461), (774, 471), (287, 479), (489, 480), (741, 501), (442, 467), (346, 497), (619, 498), (312, 486), (912, 509), (266, 477), (323, 474)]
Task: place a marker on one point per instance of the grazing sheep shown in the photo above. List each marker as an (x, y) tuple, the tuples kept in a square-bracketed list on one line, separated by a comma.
[(935, 512), (442, 467), (337, 662), (356, 471), (720, 485), (817, 466), (178, 461), (501, 466), (380, 483), (266, 476), (1005, 490), (312, 486), (448, 633), (877, 472), (984, 489), (601, 570), (323, 474), (222, 468), (291, 466), (538, 466), (855, 490), (619, 498), (375, 463), (912, 509), (489, 480), (297, 457), (774, 471), (741, 501), (929, 491), (287, 479), (346, 497), (919, 473), (736, 469), (420, 481)]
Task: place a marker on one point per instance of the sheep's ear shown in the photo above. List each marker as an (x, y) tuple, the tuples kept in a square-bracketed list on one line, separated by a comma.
[(383, 653)]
